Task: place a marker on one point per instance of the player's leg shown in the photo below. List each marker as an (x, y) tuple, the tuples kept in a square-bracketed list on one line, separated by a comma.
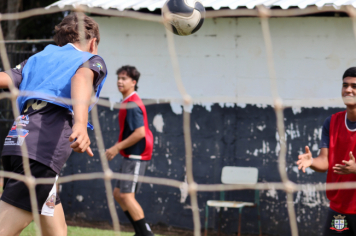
[(13, 219), (124, 208), (125, 195), (129, 201), (54, 225), (133, 211), (136, 212), (116, 194), (16, 192)]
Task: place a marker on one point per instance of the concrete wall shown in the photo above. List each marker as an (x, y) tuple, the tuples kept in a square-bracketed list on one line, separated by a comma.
[(223, 136), (226, 58)]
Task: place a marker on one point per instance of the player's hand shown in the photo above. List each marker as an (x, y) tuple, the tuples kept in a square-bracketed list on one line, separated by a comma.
[(305, 160), (348, 168), (111, 152), (81, 139)]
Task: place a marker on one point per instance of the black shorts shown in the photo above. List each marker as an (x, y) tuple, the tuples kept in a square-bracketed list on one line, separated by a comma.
[(339, 224), (133, 167), (16, 192)]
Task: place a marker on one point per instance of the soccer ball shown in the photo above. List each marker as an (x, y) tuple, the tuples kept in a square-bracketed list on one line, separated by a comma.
[(183, 17)]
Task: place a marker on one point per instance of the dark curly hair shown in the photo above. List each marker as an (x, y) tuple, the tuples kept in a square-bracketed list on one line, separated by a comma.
[(131, 72), (67, 30)]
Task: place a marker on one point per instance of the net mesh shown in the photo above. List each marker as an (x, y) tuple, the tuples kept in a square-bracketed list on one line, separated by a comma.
[(186, 100)]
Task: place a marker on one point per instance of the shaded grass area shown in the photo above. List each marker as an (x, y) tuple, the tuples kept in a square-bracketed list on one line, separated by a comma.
[(77, 231)]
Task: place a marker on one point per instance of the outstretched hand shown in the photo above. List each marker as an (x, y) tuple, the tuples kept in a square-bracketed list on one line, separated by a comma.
[(348, 168), (305, 160), (81, 139)]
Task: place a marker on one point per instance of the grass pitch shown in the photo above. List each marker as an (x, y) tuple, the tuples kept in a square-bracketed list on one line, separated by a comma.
[(77, 231)]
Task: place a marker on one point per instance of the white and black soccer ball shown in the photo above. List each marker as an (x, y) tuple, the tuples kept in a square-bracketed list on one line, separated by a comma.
[(183, 17)]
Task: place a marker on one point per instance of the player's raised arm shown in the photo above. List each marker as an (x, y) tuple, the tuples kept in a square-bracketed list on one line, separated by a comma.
[(5, 80), (81, 91), (319, 164)]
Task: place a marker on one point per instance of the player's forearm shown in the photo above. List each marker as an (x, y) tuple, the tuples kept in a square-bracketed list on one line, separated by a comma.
[(81, 90), (320, 164), (134, 138), (5, 80)]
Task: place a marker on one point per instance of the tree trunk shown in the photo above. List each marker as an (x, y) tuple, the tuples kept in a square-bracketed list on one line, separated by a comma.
[(12, 6)]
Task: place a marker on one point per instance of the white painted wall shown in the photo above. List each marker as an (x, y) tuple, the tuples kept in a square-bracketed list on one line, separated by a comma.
[(226, 57)]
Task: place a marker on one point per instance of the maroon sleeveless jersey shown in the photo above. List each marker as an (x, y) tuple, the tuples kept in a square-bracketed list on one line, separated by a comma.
[(147, 153), (342, 141)]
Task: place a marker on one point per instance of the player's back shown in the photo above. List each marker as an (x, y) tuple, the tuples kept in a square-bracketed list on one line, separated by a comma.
[(47, 74)]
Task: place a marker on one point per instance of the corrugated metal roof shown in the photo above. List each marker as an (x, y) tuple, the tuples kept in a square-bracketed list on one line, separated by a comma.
[(215, 4)]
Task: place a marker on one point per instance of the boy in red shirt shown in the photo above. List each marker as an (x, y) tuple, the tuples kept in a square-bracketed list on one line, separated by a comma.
[(135, 144), (336, 157)]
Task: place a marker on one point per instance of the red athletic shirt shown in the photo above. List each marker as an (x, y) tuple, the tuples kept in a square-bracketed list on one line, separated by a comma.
[(147, 152), (342, 141)]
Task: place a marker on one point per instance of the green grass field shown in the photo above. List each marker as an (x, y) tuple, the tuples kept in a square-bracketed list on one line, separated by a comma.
[(77, 231)]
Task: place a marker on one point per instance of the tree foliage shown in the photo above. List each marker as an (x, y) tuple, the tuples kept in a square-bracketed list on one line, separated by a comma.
[(37, 27)]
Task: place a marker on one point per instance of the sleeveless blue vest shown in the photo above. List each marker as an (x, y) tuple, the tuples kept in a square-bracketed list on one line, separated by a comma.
[(47, 76)]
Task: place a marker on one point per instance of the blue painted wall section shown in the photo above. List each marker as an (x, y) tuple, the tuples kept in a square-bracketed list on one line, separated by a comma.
[(223, 136)]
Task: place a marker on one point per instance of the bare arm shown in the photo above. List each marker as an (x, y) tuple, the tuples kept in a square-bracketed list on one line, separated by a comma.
[(136, 136), (319, 164), (5, 80), (81, 91)]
